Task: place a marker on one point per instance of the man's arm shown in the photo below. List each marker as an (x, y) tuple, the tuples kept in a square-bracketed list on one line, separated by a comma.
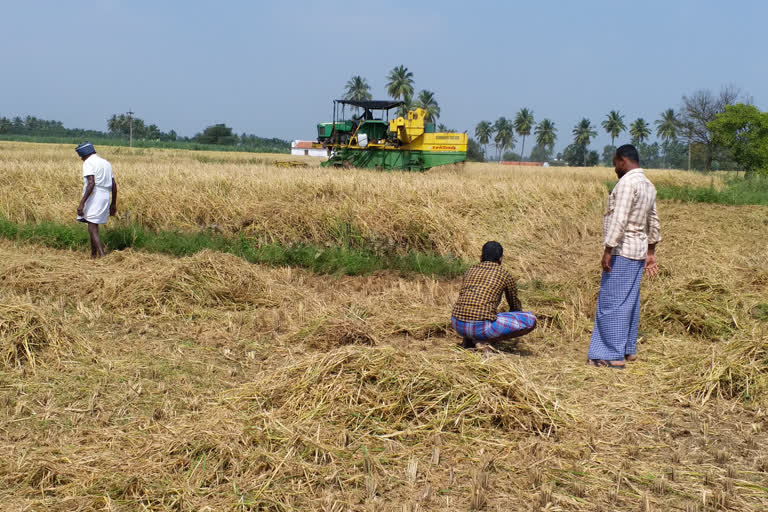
[(88, 189), (113, 205), (617, 222), (512, 300), (653, 228)]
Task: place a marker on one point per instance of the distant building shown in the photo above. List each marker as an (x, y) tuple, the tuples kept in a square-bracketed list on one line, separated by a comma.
[(304, 148)]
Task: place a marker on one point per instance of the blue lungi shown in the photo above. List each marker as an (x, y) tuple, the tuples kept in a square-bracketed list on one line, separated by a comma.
[(618, 311), (504, 325)]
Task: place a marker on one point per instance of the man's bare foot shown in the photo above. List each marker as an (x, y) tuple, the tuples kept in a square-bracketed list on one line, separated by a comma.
[(484, 347), (630, 357), (602, 363)]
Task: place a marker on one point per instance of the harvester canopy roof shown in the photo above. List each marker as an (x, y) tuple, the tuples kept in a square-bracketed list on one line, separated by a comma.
[(372, 104)]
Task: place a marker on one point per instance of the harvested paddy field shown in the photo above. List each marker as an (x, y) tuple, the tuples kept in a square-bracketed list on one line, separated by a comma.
[(145, 381)]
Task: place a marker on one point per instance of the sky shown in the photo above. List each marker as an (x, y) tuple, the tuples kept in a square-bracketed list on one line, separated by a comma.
[(273, 68)]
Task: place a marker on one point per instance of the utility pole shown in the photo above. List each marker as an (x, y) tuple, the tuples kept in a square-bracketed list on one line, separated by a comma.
[(130, 128)]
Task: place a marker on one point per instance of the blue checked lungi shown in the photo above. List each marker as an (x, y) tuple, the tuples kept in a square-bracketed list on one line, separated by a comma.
[(618, 311), (505, 324)]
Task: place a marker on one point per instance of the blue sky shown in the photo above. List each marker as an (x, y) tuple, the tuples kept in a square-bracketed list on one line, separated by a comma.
[(272, 68)]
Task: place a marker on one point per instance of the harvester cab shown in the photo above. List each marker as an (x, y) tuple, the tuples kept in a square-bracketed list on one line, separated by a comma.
[(371, 139)]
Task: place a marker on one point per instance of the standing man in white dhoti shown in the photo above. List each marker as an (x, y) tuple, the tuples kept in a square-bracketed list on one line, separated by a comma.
[(99, 195)]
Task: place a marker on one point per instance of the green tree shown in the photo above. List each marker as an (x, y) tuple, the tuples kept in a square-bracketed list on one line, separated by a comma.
[(474, 151), (357, 89), (427, 101), (505, 135), (639, 130), (582, 136), (614, 125), (122, 124), (407, 105), (540, 154), (698, 110), (484, 132), (608, 152), (666, 129), (220, 134), (577, 154), (546, 133), (523, 123), (400, 83), (743, 130)]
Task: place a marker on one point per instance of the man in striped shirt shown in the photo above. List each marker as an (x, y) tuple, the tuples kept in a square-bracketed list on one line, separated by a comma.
[(631, 231)]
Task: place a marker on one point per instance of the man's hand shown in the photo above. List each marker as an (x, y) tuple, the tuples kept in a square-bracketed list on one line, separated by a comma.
[(651, 268), (80, 212), (606, 261), (112, 210)]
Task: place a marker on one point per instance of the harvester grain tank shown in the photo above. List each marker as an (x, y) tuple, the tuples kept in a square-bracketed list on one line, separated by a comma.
[(372, 140)]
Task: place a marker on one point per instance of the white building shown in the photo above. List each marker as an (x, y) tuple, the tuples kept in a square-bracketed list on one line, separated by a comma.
[(304, 148)]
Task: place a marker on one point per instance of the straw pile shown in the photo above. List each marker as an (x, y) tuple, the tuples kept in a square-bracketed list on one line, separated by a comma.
[(27, 328), (387, 393)]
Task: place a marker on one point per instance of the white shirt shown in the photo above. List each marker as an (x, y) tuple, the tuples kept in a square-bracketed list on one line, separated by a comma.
[(100, 169), (630, 222)]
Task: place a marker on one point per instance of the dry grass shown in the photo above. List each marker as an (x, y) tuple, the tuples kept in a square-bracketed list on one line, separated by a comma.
[(27, 328), (448, 210), (206, 383)]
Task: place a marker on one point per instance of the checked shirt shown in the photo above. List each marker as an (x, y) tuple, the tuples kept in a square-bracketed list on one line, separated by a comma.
[(630, 222), (481, 292)]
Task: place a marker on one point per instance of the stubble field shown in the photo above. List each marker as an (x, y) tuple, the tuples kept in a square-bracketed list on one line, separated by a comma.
[(148, 382)]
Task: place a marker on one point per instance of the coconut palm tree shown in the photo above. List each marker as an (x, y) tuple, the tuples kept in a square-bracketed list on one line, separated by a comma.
[(505, 135), (400, 83), (639, 130), (545, 133), (523, 124), (427, 101), (668, 125), (614, 124), (483, 132), (667, 128), (357, 89), (407, 105), (582, 135)]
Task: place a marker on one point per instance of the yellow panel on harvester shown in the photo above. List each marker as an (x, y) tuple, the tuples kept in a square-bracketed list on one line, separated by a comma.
[(440, 142)]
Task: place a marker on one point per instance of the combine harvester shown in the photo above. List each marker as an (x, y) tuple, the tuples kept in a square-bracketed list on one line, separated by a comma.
[(407, 143)]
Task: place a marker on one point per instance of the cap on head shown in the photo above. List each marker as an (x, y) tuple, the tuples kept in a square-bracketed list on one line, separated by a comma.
[(85, 149)]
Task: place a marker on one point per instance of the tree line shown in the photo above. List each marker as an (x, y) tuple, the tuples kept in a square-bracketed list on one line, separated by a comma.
[(686, 137), (129, 128)]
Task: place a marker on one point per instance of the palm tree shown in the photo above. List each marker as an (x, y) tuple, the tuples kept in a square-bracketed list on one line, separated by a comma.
[(639, 130), (483, 132), (357, 89), (505, 135), (546, 134), (427, 101), (666, 129), (614, 124), (400, 84), (407, 105), (582, 135), (523, 124)]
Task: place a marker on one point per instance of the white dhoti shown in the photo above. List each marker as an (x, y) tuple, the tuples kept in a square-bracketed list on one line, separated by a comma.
[(96, 208)]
